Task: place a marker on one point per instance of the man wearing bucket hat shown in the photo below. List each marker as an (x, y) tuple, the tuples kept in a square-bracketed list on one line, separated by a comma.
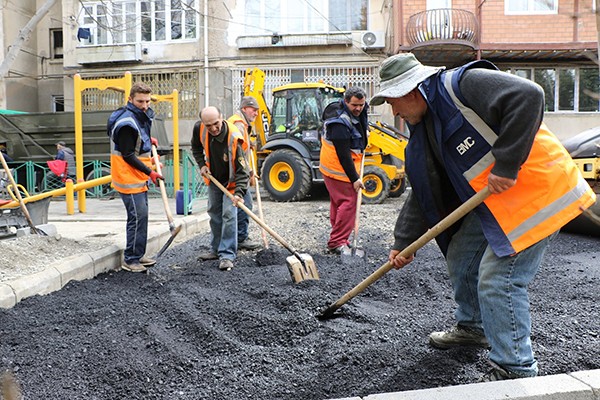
[(474, 127)]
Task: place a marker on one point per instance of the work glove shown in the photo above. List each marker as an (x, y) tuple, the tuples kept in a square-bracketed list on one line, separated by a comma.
[(154, 141), (155, 176)]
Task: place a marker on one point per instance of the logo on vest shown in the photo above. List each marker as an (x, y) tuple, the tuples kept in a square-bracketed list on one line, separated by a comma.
[(465, 145)]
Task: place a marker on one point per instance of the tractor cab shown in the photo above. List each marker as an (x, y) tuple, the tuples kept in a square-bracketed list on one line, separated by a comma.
[(296, 112)]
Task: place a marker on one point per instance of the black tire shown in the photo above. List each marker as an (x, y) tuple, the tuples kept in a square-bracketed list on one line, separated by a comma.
[(583, 225), (286, 176), (102, 190), (377, 185), (397, 186)]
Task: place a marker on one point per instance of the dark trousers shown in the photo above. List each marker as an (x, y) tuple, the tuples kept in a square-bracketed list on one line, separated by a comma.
[(243, 219), (136, 205)]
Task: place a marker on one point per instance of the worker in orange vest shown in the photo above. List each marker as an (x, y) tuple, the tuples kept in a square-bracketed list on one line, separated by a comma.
[(465, 138)]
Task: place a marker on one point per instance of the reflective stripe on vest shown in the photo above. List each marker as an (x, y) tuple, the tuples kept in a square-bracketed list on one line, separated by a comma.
[(234, 136), (125, 178), (236, 119), (329, 164), (550, 190)]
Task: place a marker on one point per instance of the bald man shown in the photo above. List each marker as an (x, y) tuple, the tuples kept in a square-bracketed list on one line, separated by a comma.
[(217, 148)]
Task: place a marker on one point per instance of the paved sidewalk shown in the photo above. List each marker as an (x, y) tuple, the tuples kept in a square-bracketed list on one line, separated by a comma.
[(106, 218)]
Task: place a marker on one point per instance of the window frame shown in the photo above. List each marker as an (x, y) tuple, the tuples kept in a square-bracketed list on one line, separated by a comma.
[(577, 87), (531, 9), (91, 18), (313, 21)]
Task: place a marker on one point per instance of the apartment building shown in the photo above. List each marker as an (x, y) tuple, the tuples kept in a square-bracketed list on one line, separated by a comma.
[(202, 48), (199, 47), (553, 42)]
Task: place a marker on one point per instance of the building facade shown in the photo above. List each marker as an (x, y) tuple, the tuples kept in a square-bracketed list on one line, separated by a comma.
[(553, 42), (203, 47)]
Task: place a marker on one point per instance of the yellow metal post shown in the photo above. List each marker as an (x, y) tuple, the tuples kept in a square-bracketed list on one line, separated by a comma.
[(174, 99), (70, 196), (120, 84)]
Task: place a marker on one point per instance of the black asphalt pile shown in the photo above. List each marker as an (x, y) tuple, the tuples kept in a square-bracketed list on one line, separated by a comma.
[(189, 331)]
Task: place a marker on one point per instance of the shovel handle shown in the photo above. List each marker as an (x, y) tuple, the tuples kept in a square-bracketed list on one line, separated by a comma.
[(163, 191), (441, 226), (18, 194), (252, 215), (263, 232), (358, 202)]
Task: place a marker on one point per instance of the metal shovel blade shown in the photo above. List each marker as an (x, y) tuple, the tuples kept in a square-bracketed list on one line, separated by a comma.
[(174, 233), (303, 268), (350, 256)]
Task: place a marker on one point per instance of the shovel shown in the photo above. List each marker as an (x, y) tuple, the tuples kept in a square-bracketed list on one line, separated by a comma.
[(441, 226), (258, 201), (174, 230), (349, 254), (19, 198), (301, 266)]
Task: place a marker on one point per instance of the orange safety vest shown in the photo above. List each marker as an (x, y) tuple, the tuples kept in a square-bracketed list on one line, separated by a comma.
[(125, 178), (233, 138), (240, 122), (550, 190), (329, 164)]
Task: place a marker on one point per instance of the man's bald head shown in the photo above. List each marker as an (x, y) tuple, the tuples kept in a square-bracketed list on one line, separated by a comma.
[(212, 119)]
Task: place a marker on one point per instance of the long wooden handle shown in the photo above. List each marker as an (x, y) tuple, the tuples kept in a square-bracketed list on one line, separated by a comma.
[(18, 194), (358, 202), (258, 200), (441, 226), (163, 191), (252, 215)]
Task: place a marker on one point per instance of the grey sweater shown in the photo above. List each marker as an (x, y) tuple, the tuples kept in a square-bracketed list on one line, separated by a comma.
[(513, 104)]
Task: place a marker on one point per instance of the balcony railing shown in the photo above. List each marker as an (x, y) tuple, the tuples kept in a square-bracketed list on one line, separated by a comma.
[(442, 25)]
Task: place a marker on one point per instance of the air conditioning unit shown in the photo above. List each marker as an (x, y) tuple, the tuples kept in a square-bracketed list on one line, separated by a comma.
[(372, 39)]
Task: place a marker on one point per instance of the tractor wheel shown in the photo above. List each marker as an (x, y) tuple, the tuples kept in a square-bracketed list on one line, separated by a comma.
[(285, 176), (102, 190), (377, 185), (397, 186)]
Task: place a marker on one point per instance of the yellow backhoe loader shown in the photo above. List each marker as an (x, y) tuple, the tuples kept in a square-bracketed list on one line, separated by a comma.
[(288, 142)]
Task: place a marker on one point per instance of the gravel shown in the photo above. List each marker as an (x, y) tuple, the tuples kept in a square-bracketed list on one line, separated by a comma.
[(186, 330)]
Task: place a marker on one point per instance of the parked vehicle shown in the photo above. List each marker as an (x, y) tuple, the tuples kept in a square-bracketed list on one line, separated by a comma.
[(289, 142)]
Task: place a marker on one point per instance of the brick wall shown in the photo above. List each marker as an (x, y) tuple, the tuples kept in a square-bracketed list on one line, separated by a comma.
[(569, 25)]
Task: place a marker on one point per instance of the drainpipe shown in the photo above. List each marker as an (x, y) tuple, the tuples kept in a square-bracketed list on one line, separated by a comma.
[(206, 98), (479, 27)]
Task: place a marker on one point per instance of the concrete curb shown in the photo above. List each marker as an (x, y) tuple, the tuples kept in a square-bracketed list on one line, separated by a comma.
[(87, 266), (582, 385)]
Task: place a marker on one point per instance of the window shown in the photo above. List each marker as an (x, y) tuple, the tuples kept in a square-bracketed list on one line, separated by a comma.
[(56, 43), (114, 22), (58, 103), (531, 6), (307, 16), (565, 89), (546, 78), (589, 89)]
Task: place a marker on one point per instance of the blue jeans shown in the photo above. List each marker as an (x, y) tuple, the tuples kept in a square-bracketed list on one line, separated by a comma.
[(136, 205), (491, 294), (242, 218), (223, 223)]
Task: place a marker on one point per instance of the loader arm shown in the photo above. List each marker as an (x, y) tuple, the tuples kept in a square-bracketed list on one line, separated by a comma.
[(254, 84)]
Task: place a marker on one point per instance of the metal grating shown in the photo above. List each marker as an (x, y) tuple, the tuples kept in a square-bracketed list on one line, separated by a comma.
[(366, 77), (186, 83)]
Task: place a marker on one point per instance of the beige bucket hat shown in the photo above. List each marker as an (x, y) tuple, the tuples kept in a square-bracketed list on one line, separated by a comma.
[(399, 74)]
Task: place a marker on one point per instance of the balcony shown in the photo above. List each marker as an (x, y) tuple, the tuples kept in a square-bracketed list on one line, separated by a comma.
[(452, 32)]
